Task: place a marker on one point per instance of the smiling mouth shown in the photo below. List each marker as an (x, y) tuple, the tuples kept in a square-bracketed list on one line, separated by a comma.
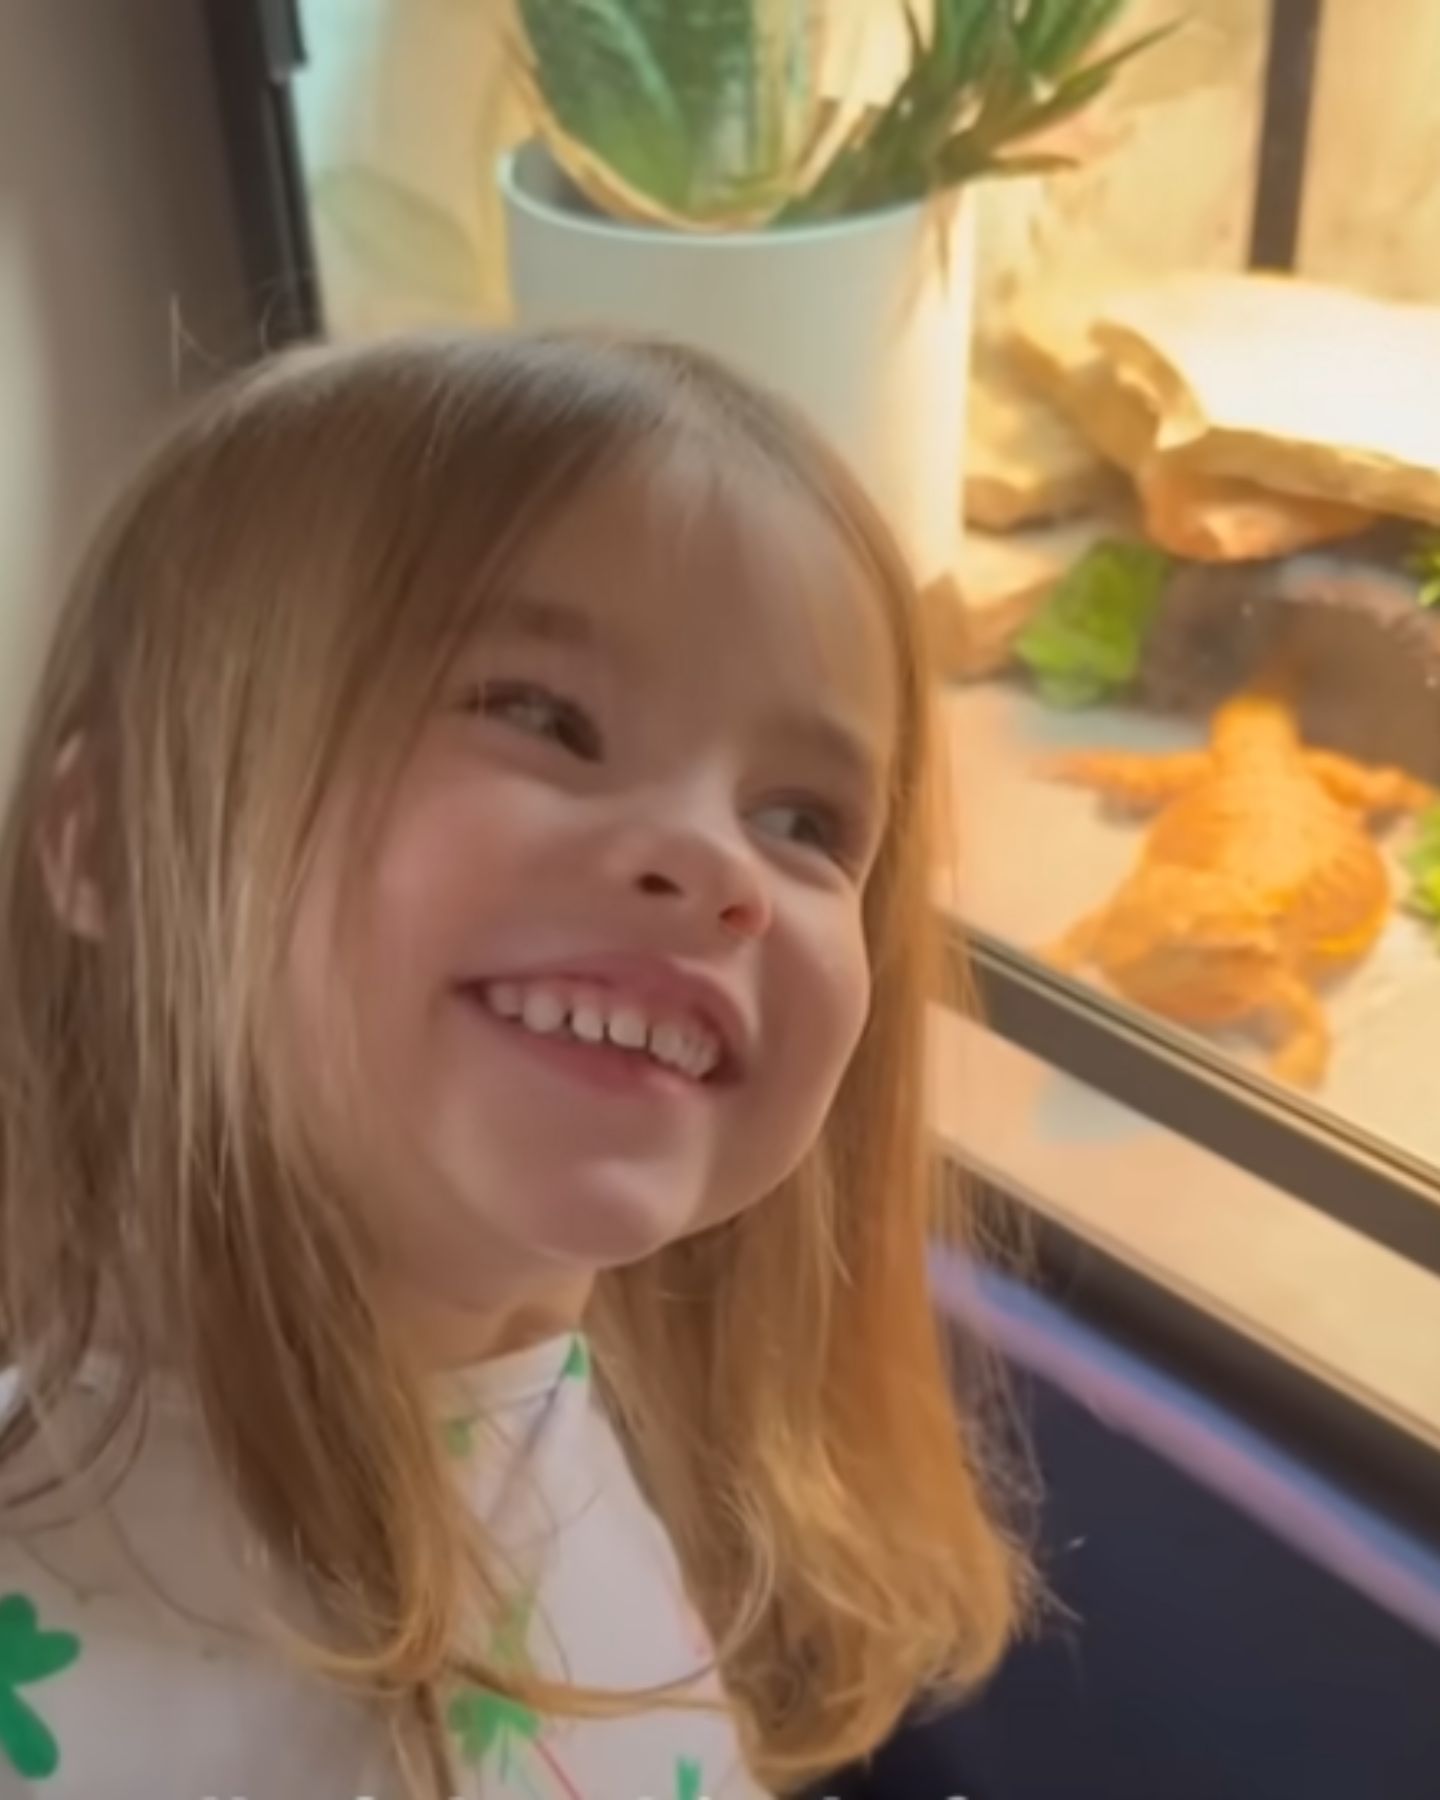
[(608, 1019)]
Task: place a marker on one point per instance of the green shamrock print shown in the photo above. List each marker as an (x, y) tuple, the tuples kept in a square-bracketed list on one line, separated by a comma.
[(577, 1363), (689, 1780), (486, 1724), (28, 1654), (459, 1437)]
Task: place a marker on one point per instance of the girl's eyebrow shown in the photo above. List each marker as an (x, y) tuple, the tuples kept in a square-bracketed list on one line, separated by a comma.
[(545, 620), (847, 749), (825, 735)]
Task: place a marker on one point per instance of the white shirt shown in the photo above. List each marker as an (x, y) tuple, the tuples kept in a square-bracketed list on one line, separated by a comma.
[(133, 1666)]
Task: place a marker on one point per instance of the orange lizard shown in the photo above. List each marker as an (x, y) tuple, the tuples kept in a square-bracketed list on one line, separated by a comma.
[(1258, 876)]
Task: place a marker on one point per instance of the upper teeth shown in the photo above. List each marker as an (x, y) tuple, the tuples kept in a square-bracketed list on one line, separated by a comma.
[(595, 1015)]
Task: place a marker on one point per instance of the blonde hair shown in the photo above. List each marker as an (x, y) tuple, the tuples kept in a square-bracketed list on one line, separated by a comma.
[(279, 591)]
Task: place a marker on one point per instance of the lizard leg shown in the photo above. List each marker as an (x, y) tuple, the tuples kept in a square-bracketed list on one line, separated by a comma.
[(1304, 1050), (1138, 781), (1367, 790)]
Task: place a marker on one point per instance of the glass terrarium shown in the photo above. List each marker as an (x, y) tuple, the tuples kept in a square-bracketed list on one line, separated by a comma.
[(1197, 632), (1193, 631)]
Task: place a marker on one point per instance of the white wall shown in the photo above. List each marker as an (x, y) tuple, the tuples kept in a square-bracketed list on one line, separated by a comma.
[(114, 221)]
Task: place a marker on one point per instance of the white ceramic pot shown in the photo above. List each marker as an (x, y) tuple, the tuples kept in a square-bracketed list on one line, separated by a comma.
[(865, 322)]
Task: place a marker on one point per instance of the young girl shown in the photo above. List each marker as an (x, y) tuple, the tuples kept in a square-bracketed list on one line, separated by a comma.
[(463, 958)]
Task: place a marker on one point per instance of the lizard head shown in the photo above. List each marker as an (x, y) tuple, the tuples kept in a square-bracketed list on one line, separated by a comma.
[(1261, 715)]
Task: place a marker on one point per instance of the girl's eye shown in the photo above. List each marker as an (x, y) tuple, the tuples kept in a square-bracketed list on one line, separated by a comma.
[(811, 825), (538, 712)]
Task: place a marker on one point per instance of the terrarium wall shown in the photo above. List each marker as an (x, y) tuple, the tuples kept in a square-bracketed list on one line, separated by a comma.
[(1372, 203), (1170, 157), (1165, 174)]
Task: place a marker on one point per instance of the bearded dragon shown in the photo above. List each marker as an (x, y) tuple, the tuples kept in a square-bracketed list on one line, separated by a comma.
[(1259, 875)]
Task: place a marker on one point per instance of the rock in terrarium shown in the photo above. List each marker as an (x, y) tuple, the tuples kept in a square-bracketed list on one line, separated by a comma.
[(1024, 461), (1090, 358), (1305, 389), (1364, 653)]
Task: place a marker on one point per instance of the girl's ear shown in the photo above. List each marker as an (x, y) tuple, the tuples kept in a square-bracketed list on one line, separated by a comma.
[(67, 842)]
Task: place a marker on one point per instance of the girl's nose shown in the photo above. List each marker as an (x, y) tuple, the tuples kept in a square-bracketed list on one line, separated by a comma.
[(706, 876)]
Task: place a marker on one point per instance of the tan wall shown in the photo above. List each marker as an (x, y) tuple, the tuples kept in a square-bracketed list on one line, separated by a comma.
[(114, 229), (1372, 204)]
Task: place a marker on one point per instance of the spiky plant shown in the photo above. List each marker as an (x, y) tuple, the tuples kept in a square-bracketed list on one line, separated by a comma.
[(697, 112), (709, 114)]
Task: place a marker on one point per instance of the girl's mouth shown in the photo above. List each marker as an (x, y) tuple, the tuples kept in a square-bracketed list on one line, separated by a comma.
[(608, 1026)]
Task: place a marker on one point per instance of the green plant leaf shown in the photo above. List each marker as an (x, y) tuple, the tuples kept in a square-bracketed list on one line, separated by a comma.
[(1012, 115), (965, 32), (892, 158), (1010, 166), (1056, 34), (1010, 83), (1086, 642), (1073, 95), (597, 73), (1079, 88), (714, 63), (403, 237), (914, 33), (709, 107)]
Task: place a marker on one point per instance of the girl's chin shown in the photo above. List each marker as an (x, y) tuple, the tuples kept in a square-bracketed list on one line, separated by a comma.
[(591, 1219)]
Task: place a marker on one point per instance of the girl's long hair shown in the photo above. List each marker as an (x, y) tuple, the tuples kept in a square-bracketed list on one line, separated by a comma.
[(277, 595)]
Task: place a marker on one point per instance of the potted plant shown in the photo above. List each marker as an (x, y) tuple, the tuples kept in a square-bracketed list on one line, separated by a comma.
[(694, 173)]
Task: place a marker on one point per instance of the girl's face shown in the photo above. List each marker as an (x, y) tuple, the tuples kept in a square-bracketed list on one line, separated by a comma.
[(605, 966)]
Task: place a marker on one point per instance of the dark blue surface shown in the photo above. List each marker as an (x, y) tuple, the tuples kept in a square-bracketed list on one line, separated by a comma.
[(1205, 1660)]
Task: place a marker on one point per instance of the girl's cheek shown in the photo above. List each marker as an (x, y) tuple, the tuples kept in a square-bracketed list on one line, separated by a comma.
[(840, 980)]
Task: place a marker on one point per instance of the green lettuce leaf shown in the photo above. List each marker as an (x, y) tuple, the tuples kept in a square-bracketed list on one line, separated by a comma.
[(1422, 864), (1086, 642)]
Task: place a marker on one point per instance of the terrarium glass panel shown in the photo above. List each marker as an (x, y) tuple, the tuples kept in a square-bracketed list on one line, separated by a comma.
[(1197, 641)]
